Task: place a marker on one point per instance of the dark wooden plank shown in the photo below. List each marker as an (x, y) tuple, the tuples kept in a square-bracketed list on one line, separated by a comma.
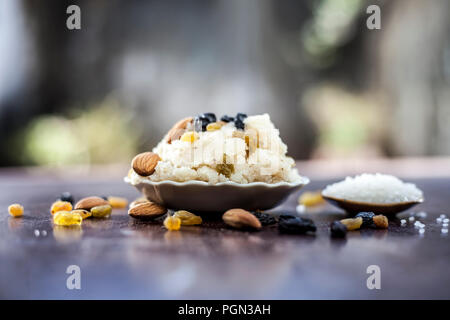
[(123, 258)]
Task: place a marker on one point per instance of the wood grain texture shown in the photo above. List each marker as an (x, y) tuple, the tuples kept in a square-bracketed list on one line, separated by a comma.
[(125, 258)]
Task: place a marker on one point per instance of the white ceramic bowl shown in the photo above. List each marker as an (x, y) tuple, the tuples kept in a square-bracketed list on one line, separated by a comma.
[(199, 196)]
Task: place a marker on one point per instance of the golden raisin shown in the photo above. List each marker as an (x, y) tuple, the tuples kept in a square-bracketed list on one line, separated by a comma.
[(311, 198), (118, 202), (60, 206), (214, 126), (352, 224), (66, 218), (101, 211), (15, 210), (187, 218), (189, 136), (83, 213), (225, 169), (172, 223), (381, 221)]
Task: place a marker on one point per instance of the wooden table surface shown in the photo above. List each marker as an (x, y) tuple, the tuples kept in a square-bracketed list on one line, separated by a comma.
[(123, 258)]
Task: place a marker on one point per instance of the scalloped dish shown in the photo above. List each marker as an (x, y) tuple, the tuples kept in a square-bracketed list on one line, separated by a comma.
[(200, 196), (204, 164)]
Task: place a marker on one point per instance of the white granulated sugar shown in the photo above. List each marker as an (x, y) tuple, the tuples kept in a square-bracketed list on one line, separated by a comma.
[(374, 188), (421, 214), (419, 224), (300, 208), (255, 154)]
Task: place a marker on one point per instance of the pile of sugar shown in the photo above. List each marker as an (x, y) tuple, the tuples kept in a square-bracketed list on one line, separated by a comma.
[(374, 188), (264, 161)]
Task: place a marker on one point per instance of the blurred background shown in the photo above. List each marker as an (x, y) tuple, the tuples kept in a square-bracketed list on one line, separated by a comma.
[(112, 89)]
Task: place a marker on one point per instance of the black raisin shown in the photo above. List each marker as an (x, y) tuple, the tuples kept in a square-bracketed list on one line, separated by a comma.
[(211, 117), (203, 120), (226, 118), (367, 218), (286, 216), (239, 125), (265, 219), (66, 196), (239, 121), (296, 225), (241, 116), (338, 230)]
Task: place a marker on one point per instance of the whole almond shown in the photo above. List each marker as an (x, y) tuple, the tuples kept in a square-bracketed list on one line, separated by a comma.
[(147, 210), (144, 164), (138, 201), (239, 218), (178, 129), (90, 202)]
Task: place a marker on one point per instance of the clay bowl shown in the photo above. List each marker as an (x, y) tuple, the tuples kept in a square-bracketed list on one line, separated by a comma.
[(387, 209)]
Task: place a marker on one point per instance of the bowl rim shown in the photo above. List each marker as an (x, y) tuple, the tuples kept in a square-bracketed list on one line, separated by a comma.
[(301, 182), (374, 204)]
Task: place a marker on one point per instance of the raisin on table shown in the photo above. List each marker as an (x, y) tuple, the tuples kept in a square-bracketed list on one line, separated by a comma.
[(296, 225), (367, 218), (286, 216), (352, 223), (264, 218), (338, 230)]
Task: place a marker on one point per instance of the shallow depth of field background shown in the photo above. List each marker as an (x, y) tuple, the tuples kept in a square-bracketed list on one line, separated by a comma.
[(334, 88)]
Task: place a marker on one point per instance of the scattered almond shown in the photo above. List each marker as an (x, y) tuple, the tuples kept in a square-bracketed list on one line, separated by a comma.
[(381, 221), (178, 129), (138, 201), (147, 210), (90, 202), (144, 163), (239, 218)]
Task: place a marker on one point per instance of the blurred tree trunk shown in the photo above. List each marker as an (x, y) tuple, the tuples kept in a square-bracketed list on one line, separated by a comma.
[(67, 66), (414, 54)]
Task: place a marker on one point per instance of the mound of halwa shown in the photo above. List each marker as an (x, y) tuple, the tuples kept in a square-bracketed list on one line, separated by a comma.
[(240, 149)]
